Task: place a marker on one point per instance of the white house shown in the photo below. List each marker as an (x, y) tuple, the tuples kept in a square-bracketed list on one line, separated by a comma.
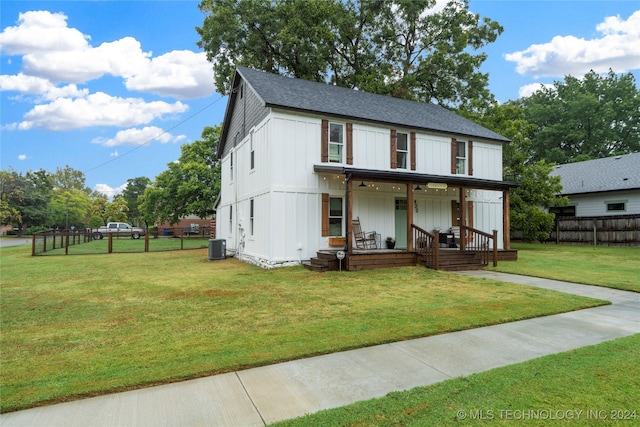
[(301, 160), (600, 187)]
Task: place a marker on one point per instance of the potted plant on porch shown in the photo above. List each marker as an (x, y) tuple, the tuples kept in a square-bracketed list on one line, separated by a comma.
[(391, 242)]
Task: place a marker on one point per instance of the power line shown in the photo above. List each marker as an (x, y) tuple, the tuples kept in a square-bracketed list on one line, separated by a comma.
[(154, 138)]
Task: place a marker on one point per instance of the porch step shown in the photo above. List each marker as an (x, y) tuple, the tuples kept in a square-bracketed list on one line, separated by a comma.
[(324, 261), (458, 261)]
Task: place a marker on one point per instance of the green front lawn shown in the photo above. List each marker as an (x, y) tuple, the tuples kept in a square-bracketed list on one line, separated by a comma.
[(613, 267), (594, 385), (85, 325)]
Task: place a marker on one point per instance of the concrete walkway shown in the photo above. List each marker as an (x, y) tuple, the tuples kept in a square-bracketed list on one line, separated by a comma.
[(260, 396)]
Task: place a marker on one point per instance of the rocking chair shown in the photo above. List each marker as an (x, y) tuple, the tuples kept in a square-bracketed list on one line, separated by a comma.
[(364, 240)]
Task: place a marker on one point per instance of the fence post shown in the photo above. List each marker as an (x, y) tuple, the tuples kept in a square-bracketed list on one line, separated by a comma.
[(595, 238), (146, 241), (66, 246), (33, 244), (495, 248), (109, 243), (182, 240)]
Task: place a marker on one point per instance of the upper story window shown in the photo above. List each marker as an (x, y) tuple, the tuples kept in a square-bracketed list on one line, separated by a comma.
[(461, 157), (252, 156), (336, 142), (402, 150)]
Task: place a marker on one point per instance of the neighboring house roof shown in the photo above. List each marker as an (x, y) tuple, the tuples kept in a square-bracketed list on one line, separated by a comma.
[(594, 176), (302, 95)]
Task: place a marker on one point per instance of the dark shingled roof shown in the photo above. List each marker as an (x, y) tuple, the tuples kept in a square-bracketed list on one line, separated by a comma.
[(594, 176), (313, 97)]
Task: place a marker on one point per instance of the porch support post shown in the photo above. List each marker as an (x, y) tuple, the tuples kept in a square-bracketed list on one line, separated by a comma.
[(409, 216), (349, 206), (463, 218), (506, 220)]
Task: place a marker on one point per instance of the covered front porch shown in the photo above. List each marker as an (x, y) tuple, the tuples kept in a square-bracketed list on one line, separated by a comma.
[(431, 220)]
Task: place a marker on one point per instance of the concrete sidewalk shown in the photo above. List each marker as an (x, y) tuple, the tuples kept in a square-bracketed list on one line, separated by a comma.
[(260, 396)]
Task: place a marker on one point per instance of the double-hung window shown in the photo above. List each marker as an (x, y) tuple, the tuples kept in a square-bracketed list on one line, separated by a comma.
[(335, 216), (336, 142), (230, 219), (402, 151), (231, 167), (251, 211), (252, 157), (461, 157)]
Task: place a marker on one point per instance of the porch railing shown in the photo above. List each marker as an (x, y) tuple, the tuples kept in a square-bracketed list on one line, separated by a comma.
[(425, 245), (479, 242)]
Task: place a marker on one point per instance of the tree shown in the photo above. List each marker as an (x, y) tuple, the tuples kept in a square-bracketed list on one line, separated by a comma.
[(537, 191), (581, 119), (24, 199), (403, 48), (69, 208), (68, 178), (189, 186), (132, 195)]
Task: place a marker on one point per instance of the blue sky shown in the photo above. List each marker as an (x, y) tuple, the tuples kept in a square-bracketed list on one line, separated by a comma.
[(114, 88)]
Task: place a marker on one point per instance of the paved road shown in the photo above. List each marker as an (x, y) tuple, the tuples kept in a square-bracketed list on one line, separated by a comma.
[(14, 242), (259, 396)]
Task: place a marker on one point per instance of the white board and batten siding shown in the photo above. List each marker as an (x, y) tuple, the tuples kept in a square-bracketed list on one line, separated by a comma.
[(287, 192)]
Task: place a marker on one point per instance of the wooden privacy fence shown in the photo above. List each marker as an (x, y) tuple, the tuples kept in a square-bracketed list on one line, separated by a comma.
[(620, 230)]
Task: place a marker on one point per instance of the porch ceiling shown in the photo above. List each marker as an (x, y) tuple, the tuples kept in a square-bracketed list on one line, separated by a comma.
[(415, 178)]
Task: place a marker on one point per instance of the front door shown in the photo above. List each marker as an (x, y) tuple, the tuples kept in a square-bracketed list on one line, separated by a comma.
[(401, 223)]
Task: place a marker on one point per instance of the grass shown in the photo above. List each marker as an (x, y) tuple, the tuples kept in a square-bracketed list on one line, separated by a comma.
[(588, 386), (103, 323), (613, 267)]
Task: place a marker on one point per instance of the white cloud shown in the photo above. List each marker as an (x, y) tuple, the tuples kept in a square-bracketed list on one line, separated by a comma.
[(108, 190), (97, 109), (528, 90), (618, 48), (41, 31), (138, 137), (22, 157), (38, 86), (179, 73), (58, 54)]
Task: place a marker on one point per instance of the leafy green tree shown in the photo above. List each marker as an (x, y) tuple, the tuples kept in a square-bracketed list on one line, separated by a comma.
[(189, 186), (399, 48), (69, 208), (538, 190), (581, 119), (117, 210), (24, 199), (132, 194), (68, 178)]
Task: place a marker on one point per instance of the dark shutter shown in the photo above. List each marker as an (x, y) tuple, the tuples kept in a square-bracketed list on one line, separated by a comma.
[(394, 149), (470, 157), (324, 142), (349, 143), (412, 148), (325, 214), (454, 151)]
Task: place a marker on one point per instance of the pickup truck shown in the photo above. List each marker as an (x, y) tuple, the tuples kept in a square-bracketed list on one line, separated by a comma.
[(118, 228)]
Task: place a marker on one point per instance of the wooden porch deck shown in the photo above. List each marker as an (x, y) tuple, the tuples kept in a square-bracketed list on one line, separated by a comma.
[(451, 259)]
